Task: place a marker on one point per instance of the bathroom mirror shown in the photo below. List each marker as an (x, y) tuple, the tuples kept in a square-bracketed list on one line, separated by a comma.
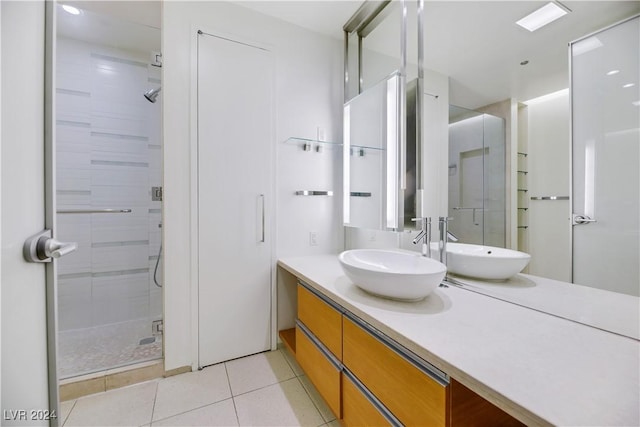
[(497, 68), (381, 117), (371, 145)]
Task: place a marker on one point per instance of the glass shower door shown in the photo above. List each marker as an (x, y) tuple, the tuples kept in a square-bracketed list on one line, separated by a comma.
[(606, 158), (107, 161), (476, 177)]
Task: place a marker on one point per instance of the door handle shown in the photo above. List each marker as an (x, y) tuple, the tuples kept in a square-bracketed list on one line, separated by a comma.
[(581, 219), (42, 247), (261, 238)]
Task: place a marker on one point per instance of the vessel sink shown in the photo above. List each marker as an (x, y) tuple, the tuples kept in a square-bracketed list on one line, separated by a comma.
[(484, 262), (401, 275)]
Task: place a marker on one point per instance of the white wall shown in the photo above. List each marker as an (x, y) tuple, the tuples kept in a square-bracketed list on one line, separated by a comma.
[(308, 94), (548, 160), (24, 338)]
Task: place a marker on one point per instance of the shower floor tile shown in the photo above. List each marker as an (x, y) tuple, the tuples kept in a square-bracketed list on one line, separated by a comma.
[(85, 351)]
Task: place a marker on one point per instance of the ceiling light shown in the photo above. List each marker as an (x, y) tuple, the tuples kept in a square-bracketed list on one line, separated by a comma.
[(612, 72), (70, 9), (629, 85), (543, 16), (636, 103)]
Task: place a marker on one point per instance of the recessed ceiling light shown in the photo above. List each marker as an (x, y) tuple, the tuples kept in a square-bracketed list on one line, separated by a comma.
[(543, 16), (629, 85), (612, 72), (636, 103), (70, 9)]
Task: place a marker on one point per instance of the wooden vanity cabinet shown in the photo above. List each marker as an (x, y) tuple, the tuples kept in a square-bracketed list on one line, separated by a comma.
[(414, 395), (320, 367), (319, 346), (368, 379), (322, 319)]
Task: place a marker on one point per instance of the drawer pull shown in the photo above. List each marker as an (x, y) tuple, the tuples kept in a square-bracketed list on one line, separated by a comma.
[(316, 342), (372, 399), (424, 366)]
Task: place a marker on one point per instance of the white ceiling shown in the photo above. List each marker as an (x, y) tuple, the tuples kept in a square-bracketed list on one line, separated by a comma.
[(476, 43)]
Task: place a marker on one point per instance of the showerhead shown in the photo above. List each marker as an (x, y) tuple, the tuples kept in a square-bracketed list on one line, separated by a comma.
[(152, 94)]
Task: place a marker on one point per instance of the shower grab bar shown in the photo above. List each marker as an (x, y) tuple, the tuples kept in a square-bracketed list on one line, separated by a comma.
[(550, 198), (91, 211), (313, 193)]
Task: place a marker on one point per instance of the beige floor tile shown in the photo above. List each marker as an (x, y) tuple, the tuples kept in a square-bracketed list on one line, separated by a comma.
[(217, 414), (291, 359), (184, 392), (129, 406), (65, 410), (257, 371), (334, 423), (282, 404), (317, 400)]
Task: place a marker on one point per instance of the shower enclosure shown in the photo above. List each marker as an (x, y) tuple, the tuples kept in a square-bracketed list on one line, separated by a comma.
[(477, 177), (108, 159)]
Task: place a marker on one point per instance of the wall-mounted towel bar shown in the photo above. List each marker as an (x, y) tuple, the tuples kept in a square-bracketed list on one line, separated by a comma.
[(360, 194), (313, 193), (91, 211), (550, 198)]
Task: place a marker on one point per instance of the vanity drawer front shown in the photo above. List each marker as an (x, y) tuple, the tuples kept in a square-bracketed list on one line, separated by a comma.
[(321, 371), (412, 395), (360, 408), (324, 321)]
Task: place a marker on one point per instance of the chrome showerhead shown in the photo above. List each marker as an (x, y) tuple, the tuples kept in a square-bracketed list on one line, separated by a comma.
[(152, 94)]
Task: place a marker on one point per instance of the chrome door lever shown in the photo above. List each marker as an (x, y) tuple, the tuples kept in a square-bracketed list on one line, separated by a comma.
[(581, 219), (42, 247)]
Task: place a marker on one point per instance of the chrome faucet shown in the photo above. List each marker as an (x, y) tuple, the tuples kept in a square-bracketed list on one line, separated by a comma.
[(424, 235), (445, 235)]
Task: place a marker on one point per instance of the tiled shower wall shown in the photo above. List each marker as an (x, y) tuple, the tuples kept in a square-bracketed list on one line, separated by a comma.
[(108, 156)]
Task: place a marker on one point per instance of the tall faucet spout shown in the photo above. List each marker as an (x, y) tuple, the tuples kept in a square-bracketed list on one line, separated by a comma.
[(424, 235)]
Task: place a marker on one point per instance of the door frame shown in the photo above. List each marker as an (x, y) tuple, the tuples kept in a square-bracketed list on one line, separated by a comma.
[(51, 279), (194, 199)]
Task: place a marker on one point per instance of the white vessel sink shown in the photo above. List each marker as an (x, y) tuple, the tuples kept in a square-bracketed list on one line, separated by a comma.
[(392, 274), (484, 262)]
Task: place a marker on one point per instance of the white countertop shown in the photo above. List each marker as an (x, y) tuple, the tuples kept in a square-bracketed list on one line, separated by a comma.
[(541, 369), (610, 311)]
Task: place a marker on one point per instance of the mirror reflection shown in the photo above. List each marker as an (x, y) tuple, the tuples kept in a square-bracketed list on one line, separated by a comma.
[(522, 79)]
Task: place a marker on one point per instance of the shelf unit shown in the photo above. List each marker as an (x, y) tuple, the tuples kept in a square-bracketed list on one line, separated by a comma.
[(308, 144), (522, 173)]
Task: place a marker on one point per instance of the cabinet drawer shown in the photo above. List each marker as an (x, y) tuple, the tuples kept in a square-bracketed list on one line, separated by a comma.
[(324, 321), (413, 396), (322, 372), (358, 407)]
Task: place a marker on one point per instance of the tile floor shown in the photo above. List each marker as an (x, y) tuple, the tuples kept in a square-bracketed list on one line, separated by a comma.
[(266, 389)]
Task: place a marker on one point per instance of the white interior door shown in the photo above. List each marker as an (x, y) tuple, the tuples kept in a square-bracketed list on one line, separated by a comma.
[(606, 159), (234, 199), (28, 342)]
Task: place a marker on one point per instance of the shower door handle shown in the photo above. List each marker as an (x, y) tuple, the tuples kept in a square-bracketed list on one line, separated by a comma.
[(42, 247), (581, 219), (261, 238)]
